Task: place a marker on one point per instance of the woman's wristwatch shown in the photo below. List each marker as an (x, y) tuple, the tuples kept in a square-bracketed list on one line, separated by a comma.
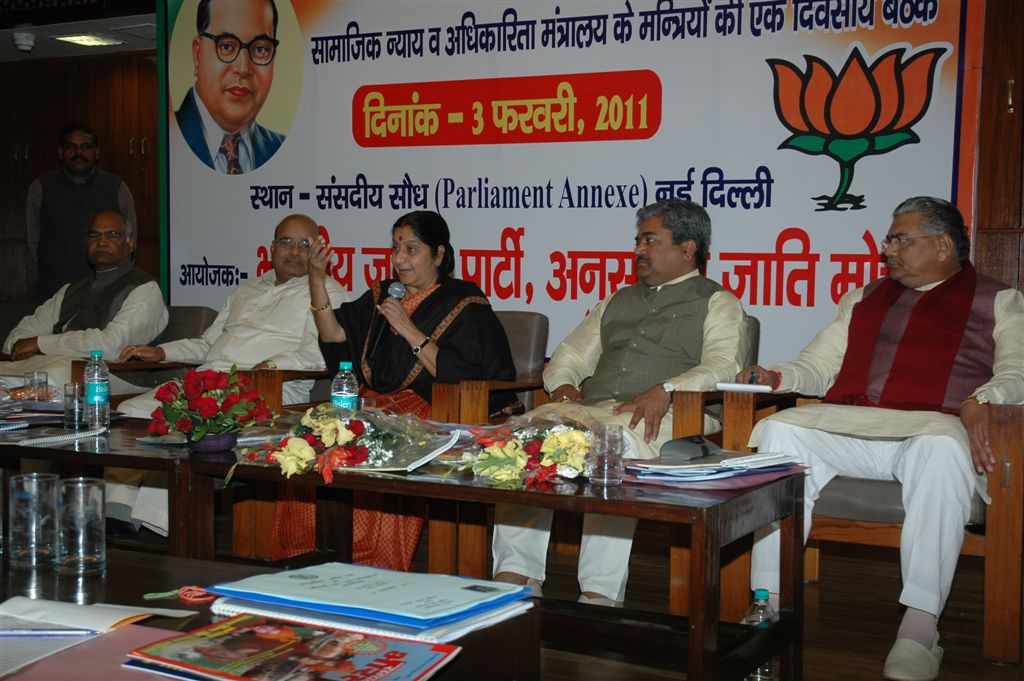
[(416, 350)]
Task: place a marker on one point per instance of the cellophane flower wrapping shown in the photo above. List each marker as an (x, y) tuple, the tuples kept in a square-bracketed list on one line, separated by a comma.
[(525, 451), (327, 438)]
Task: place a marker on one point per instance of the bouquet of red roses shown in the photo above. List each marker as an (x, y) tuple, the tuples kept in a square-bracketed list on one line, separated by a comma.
[(207, 402)]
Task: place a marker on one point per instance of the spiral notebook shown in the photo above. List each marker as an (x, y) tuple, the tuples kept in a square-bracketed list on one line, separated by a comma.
[(375, 595), (445, 633)]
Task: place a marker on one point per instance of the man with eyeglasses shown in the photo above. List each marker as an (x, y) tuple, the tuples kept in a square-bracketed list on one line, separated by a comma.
[(907, 369), (233, 56), (116, 305), (60, 204), (266, 323), (674, 329)]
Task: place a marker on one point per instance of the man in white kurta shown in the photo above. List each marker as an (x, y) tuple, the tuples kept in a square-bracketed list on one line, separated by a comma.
[(266, 323), (121, 304), (940, 454), (673, 330)]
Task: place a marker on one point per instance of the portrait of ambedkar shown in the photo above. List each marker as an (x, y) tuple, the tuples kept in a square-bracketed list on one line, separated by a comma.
[(233, 54)]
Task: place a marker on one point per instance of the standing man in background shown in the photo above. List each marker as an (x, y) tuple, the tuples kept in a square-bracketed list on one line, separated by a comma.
[(60, 205)]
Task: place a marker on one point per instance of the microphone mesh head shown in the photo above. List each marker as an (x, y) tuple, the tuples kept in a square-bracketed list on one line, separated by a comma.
[(396, 290)]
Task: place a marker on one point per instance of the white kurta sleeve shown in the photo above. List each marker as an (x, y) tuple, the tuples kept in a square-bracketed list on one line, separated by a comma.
[(814, 371), (1007, 383), (724, 345), (142, 317), (576, 357), (39, 323), (195, 350), (307, 355)]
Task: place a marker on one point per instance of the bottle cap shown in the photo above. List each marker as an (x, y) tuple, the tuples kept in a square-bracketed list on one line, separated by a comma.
[(760, 594), (95, 354), (345, 365)]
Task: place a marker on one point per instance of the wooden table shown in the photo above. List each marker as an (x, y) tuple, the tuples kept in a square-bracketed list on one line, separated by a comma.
[(117, 448), (705, 522), (507, 651), (457, 544)]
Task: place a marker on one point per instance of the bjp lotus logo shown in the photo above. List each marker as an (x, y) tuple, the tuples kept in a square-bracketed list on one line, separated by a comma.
[(863, 111)]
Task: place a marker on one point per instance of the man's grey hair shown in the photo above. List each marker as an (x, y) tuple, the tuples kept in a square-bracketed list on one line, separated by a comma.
[(939, 217), (129, 228), (686, 220)]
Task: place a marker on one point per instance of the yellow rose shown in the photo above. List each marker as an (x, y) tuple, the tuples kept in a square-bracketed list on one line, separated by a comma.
[(333, 433), (502, 463), (307, 419), (295, 456)]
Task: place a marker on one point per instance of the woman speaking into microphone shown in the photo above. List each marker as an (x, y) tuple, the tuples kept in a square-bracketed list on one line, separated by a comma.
[(441, 329)]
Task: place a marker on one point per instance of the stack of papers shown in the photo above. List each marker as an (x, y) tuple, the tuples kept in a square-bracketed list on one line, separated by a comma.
[(710, 468), (427, 607)]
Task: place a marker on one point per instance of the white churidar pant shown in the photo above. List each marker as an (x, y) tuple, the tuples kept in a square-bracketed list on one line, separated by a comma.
[(938, 485), (520, 545)]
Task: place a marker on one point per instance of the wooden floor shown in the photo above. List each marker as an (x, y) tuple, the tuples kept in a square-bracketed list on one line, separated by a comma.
[(851, 617)]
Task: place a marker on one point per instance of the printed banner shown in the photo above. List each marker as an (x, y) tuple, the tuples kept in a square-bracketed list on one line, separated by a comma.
[(537, 129)]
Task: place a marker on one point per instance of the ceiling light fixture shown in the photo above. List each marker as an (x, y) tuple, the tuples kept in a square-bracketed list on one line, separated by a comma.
[(89, 40)]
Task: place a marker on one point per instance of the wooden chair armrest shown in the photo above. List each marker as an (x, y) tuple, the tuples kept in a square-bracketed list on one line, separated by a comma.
[(269, 383), (467, 401), (1006, 482), (740, 412), (78, 367)]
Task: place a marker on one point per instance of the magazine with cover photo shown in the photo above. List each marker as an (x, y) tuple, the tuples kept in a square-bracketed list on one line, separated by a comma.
[(252, 647)]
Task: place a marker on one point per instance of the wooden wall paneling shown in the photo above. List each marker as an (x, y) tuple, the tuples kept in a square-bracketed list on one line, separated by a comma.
[(999, 225), (116, 95), (17, 147), (147, 174), (1001, 137)]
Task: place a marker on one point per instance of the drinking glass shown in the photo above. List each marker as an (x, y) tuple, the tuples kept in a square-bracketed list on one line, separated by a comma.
[(37, 387), (82, 534), (74, 406), (607, 456), (33, 519)]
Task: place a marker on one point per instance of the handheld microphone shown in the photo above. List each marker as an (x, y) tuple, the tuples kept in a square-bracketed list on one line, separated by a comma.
[(397, 291)]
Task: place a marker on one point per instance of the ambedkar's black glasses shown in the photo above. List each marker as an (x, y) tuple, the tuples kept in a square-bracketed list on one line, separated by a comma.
[(261, 48)]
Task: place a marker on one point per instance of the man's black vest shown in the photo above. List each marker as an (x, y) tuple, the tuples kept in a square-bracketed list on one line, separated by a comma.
[(91, 303), (63, 222)]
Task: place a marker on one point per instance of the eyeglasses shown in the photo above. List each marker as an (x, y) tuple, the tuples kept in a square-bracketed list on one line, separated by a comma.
[(109, 235), (84, 146), (902, 240), (288, 242), (261, 48)]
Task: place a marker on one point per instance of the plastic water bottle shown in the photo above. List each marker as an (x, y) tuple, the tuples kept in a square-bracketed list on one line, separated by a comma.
[(97, 391), (345, 388), (761, 614)]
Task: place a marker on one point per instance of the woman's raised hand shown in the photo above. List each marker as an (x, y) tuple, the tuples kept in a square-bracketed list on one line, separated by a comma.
[(316, 264)]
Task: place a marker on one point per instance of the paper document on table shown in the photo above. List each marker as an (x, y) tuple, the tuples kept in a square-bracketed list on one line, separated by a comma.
[(18, 651), (440, 634), (20, 613), (35, 613), (407, 598), (724, 460)]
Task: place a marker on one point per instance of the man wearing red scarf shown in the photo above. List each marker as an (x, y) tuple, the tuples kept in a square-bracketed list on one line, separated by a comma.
[(907, 369)]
